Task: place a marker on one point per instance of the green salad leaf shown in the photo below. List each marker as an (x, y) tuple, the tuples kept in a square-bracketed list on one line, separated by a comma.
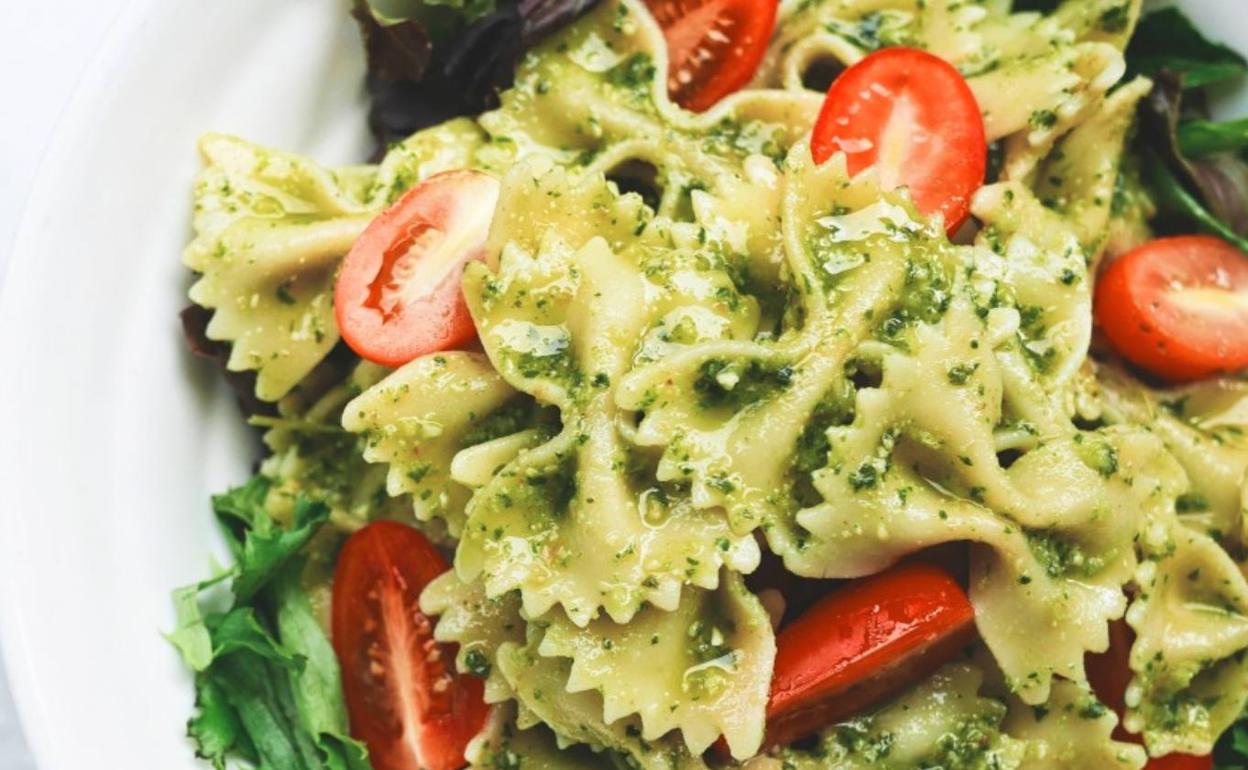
[(1210, 193), (1231, 752), (268, 546), (1174, 199), (1202, 138), (267, 684), (273, 697), (1167, 40), (216, 727)]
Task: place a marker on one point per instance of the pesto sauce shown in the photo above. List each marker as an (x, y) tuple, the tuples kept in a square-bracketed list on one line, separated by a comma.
[(1061, 557), (729, 384), (925, 296), (518, 414)]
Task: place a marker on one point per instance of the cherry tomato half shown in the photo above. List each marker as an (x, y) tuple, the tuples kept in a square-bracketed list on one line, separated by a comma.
[(713, 46), (863, 643), (398, 295), (404, 697), (912, 116), (1178, 307)]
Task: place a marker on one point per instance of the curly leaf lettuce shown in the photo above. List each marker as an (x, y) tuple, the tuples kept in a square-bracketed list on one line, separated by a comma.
[(267, 684)]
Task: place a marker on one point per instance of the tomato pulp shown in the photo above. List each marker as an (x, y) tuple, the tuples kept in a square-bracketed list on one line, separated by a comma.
[(713, 46), (912, 116), (398, 294), (1178, 307), (404, 697)]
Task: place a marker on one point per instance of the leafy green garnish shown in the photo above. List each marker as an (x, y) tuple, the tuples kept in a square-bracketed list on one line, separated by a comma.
[(1173, 198), (1202, 138), (1231, 751), (260, 544), (1208, 193), (267, 683), (1167, 40), (270, 546)]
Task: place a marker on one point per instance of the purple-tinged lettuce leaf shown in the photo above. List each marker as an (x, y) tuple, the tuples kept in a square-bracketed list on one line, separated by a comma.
[(1209, 192), (464, 69)]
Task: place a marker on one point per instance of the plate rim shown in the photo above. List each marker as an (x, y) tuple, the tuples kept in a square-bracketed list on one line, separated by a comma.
[(33, 719)]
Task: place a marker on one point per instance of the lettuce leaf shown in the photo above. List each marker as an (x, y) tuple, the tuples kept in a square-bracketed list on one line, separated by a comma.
[(216, 728), (1231, 751), (426, 67), (267, 684), (1176, 202), (1167, 40), (1208, 193), (261, 546), (271, 692), (1202, 138)]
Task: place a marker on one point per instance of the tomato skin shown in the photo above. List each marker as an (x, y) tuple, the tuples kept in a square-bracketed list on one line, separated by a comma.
[(404, 698), (1109, 673), (912, 116), (863, 643), (398, 295), (1180, 762), (703, 67), (1178, 307)]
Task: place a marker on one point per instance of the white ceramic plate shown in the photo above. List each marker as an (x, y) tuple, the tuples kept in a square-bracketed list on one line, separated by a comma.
[(112, 436)]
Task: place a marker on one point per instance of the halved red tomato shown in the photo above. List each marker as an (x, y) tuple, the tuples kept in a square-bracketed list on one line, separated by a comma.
[(713, 46), (912, 116), (1109, 673), (404, 697), (861, 644), (1178, 307), (1180, 762), (398, 295)]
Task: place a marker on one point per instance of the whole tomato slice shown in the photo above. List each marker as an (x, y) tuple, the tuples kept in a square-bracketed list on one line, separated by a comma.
[(912, 116), (713, 46), (1109, 673), (398, 295), (404, 697), (863, 643), (1178, 307)]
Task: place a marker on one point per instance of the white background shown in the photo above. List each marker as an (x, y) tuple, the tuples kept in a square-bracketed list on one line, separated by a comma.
[(45, 48)]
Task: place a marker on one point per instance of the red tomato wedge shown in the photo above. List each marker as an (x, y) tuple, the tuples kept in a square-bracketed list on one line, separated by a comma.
[(1178, 307), (1180, 762), (863, 643), (713, 46), (404, 698), (398, 295), (1109, 673), (913, 117)]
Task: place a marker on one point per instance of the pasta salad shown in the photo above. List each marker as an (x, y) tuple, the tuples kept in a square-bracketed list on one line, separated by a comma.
[(829, 384)]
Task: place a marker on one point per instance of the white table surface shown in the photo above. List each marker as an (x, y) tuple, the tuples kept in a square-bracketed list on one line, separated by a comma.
[(44, 50)]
